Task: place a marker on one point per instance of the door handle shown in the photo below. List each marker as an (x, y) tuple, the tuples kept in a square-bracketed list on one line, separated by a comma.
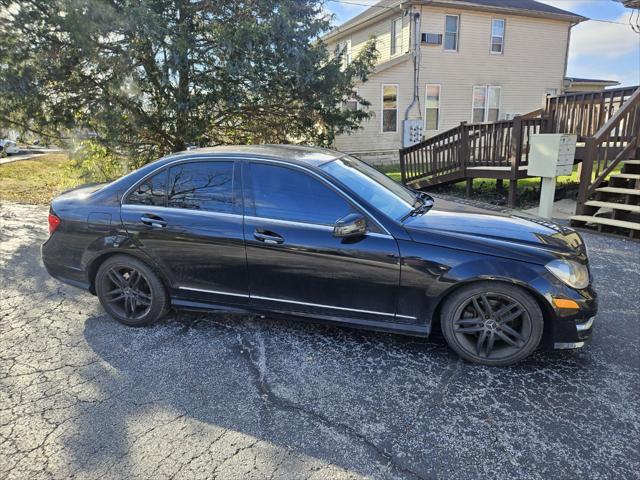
[(153, 221), (267, 237)]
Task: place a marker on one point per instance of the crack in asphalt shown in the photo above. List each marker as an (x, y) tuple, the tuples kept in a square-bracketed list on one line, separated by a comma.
[(232, 396)]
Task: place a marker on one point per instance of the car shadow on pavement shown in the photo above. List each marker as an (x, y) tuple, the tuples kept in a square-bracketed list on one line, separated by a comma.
[(343, 396), (206, 395)]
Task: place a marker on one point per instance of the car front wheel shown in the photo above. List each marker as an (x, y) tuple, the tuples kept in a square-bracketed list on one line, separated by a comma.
[(492, 323), (130, 291)]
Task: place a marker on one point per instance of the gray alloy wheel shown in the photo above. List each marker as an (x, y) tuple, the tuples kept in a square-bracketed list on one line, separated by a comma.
[(492, 323), (130, 291)]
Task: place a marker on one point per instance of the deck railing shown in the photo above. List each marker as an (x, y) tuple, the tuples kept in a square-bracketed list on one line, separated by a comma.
[(499, 144), (606, 122), (436, 156), (584, 113)]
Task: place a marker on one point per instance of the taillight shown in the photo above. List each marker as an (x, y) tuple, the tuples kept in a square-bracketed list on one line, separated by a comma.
[(53, 223)]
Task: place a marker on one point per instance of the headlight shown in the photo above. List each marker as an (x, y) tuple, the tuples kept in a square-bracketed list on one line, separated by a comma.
[(572, 273)]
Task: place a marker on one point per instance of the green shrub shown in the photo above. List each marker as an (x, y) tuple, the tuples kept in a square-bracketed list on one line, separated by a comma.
[(93, 162)]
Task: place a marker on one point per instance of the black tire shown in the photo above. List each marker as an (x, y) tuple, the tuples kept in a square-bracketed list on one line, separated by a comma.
[(492, 323), (130, 291)]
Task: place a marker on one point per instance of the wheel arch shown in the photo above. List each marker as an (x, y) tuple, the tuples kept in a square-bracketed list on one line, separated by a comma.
[(94, 265), (547, 311)]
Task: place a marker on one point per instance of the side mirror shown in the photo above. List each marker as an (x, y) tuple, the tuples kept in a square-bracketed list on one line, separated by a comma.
[(349, 226)]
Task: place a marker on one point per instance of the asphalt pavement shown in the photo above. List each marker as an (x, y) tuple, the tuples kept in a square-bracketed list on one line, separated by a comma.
[(237, 397)]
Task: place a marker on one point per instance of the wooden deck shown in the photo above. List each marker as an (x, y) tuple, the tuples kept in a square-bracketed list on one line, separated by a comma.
[(500, 150)]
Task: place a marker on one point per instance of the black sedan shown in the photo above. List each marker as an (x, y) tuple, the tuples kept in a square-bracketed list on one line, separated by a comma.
[(317, 234)]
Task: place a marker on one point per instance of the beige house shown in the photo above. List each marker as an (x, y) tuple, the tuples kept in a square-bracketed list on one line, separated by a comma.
[(466, 61)]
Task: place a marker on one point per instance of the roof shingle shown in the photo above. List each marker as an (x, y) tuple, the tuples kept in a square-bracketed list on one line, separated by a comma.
[(515, 5)]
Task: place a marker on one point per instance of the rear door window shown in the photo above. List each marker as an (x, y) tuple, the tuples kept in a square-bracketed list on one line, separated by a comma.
[(204, 186), (152, 191)]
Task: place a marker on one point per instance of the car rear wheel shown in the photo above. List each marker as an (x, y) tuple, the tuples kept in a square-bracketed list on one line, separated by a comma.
[(492, 323), (130, 291)]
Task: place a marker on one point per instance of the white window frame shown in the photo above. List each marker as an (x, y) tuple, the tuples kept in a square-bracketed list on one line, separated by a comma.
[(346, 45), (485, 114), (382, 106), (444, 36), (504, 31), (439, 120), (395, 48)]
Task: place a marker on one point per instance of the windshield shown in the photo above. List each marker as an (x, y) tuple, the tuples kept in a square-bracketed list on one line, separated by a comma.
[(388, 196)]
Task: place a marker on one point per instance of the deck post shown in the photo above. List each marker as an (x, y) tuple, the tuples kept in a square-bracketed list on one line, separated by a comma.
[(403, 173), (464, 147), (465, 156), (591, 149), (469, 187), (515, 161)]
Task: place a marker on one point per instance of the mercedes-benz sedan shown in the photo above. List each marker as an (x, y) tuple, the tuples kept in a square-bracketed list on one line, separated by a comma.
[(316, 234)]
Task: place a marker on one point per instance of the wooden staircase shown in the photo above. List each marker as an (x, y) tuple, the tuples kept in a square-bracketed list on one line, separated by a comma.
[(616, 207), (609, 201)]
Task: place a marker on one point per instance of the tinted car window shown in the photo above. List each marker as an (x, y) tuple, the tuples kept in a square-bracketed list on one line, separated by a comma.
[(383, 193), (287, 194), (201, 186), (150, 192)]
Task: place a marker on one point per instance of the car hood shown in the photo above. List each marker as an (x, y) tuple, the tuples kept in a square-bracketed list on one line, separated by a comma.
[(497, 232)]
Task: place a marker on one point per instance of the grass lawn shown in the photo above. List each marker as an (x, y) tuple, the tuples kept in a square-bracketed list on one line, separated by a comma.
[(38, 180)]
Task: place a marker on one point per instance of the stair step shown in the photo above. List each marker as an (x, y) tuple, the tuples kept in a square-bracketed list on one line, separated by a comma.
[(631, 176), (621, 191), (631, 162), (607, 221), (615, 206)]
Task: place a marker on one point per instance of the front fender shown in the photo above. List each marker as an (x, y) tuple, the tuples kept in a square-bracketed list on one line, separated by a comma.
[(429, 274)]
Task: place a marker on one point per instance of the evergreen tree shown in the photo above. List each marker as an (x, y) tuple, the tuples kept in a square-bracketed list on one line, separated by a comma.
[(153, 76)]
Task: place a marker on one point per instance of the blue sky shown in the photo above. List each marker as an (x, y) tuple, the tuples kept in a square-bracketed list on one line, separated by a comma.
[(603, 50)]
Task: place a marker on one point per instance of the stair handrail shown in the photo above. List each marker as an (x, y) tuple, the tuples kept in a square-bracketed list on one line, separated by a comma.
[(615, 118), (587, 187)]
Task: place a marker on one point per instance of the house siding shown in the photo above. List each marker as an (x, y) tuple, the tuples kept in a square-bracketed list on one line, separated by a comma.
[(381, 30), (533, 61)]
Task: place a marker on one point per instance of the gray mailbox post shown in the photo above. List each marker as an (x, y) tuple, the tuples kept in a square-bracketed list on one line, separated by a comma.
[(550, 155)]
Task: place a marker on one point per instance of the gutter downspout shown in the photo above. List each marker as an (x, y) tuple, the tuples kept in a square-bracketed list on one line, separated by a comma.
[(566, 54), (415, 17)]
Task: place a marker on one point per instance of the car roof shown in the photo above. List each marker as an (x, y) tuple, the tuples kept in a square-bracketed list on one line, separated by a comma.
[(313, 156)]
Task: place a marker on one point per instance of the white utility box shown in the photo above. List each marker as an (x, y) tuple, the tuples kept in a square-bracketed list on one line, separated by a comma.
[(411, 132), (551, 154)]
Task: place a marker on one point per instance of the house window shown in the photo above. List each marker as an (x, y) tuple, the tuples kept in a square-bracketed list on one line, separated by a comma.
[(344, 49), (486, 104), (451, 32), (551, 92), (497, 36), (351, 102), (389, 108), (396, 36), (432, 107)]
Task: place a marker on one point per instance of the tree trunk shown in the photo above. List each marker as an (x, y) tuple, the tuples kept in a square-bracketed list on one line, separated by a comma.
[(182, 91)]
